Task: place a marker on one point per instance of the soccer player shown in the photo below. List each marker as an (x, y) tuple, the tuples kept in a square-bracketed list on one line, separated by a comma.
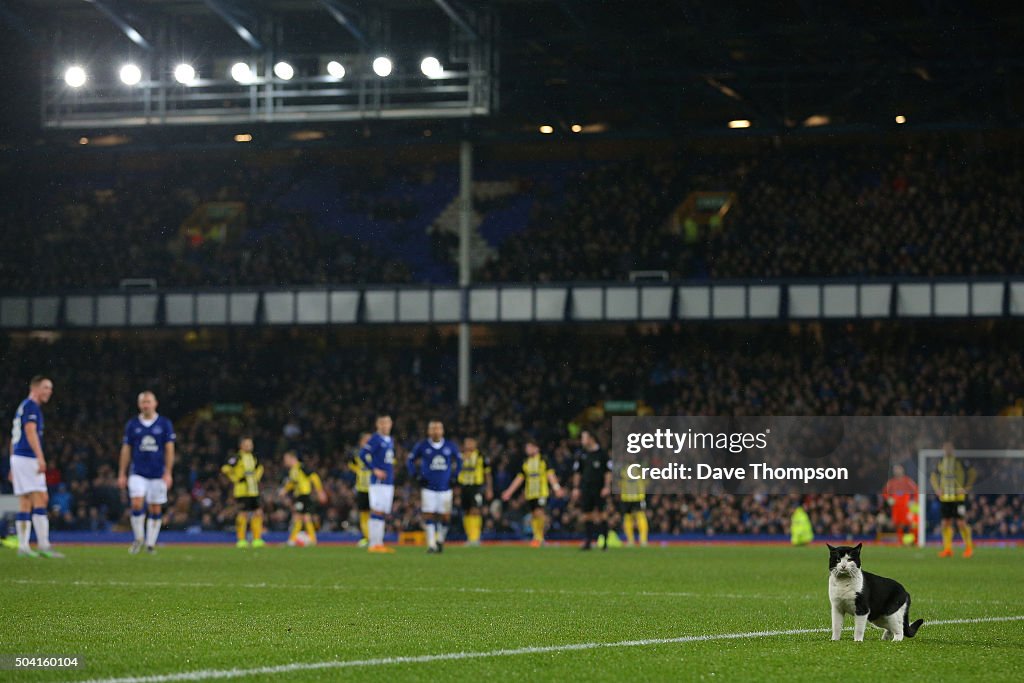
[(245, 471), (28, 471), (898, 493), (362, 473), (435, 461), (633, 506), (476, 485), (591, 486), (540, 479), (951, 482), (379, 457), (303, 483), (148, 446)]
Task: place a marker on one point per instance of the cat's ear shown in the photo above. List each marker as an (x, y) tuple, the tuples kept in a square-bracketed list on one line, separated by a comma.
[(830, 548), (857, 547)]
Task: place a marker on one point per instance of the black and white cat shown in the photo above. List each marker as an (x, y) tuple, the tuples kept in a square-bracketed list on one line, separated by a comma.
[(868, 597)]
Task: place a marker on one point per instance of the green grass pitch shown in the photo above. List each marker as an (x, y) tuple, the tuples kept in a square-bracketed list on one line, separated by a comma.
[(212, 609)]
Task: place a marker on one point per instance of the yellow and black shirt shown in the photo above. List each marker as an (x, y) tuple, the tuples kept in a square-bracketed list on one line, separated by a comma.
[(362, 473), (632, 490), (475, 468), (535, 477), (301, 481), (951, 478), (245, 471)]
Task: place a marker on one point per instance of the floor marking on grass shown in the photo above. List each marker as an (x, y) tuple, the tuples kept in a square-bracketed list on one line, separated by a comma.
[(208, 674), (348, 588)]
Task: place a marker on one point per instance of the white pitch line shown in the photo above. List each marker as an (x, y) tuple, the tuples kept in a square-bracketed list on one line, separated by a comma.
[(208, 674), (449, 589)]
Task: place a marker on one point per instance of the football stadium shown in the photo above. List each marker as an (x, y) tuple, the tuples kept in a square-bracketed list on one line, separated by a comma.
[(537, 339)]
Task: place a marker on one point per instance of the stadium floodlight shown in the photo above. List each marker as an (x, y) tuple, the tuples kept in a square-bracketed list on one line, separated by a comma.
[(336, 69), (130, 74), (431, 67), (576, 128), (739, 123), (185, 74), (547, 130), (75, 76), (382, 67), (900, 118), (243, 137), (241, 72), (284, 71)]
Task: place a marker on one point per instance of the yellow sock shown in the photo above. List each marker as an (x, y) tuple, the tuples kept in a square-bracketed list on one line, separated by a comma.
[(474, 526), (311, 531), (240, 526), (538, 528), (641, 523), (947, 538), (296, 528), (257, 528), (364, 523), (627, 526), (965, 531)]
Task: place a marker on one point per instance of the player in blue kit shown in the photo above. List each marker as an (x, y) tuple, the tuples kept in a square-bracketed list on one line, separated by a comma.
[(435, 461), (28, 470), (379, 456), (149, 446)]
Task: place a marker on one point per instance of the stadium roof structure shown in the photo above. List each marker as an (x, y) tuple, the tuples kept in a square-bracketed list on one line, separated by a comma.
[(578, 66)]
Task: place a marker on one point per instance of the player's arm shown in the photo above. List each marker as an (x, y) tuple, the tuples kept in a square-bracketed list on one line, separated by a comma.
[(970, 476), (412, 461), (318, 486), (607, 488), (168, 462), (457, 465), (259, 471), (935, 483), (553, 480), (122, 465), (513, 487), (32, 436)]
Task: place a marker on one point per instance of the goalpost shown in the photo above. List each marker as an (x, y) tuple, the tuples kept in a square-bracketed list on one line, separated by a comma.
[(924, 474)]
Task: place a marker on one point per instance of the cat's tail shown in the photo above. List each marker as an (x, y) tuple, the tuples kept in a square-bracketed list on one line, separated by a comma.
[(910, 629)]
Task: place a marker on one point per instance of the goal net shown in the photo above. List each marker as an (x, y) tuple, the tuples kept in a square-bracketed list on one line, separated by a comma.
[(997, 471)]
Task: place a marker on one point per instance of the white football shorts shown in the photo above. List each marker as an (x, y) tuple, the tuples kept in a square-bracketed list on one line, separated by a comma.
[(26, 475), (153, 490)]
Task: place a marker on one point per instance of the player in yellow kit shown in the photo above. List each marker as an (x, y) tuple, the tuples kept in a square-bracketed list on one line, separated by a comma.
[(301, 483), (245, 471), (540, 479), (362, 472), (475, 487), (633, 506), (951, 482)]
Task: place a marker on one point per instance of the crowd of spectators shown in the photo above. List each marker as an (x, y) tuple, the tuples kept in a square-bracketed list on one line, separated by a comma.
[(316, 392), (932, 208)]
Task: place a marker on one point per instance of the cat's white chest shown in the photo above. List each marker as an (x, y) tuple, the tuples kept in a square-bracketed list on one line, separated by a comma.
[(842, 592)]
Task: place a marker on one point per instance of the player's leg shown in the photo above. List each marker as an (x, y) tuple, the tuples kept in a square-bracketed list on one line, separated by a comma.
[(428, 508), (381, 498), (627, 521), (965, 533), (23, 525), (137, 495), (443, 517), (947, 533), (156, 498), (40, 520), (363, 505), (241, 522), (602, 522), (641, 524), (538, 522), (307, 521), (296, 527), (257, 525)]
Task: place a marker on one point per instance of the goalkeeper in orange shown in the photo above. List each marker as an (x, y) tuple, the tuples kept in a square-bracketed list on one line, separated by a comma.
[(302, 483), (898, 493), (951, 482)]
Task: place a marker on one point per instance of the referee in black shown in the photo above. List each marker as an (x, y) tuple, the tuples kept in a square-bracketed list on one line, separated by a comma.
[(591, 486)]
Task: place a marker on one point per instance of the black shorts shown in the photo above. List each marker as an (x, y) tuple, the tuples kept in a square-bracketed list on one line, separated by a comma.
[(630, 506), (303, 505), (536, 504), (363, 501), (952, 510), (471, 496), (249, 503), (591, 500)]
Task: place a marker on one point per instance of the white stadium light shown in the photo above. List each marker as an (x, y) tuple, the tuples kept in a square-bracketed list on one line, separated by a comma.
[(336, 70), (284, 71), (900, 118), (184, 74), (431, 67), (131, 74), (382, 67), (75, 77), (739, 123), (241, 72)]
